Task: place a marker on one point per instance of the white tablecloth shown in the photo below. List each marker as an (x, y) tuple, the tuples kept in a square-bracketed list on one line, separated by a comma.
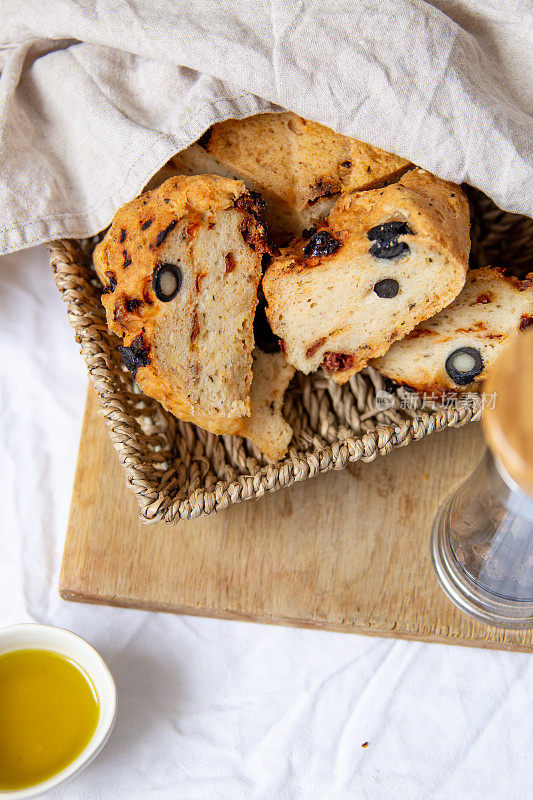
[(215, 710)]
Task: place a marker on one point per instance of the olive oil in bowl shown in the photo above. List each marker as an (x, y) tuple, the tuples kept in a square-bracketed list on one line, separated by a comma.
[(48, 714)]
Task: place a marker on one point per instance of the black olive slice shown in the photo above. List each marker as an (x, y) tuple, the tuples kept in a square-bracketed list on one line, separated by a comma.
[(464, 364), (166, 281), (136, 355), (387, 288), (321, 243), (389, 231), (385, 239), (389, 250)]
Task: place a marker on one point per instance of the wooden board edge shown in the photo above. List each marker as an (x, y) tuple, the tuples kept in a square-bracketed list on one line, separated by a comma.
[(291, 622)]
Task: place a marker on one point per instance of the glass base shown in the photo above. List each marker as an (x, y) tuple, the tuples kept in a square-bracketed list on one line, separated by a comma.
[(462, 590)]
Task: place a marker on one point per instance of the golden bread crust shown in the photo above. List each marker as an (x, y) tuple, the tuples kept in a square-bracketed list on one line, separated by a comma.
[(298, 164), (436, 214), (126, 262), (491, 311)]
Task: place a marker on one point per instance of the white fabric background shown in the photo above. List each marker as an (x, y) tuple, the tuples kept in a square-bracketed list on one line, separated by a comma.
[(96, 96), (214, 710)]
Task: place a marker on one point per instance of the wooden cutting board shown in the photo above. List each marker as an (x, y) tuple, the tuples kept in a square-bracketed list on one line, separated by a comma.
[(346, 551)]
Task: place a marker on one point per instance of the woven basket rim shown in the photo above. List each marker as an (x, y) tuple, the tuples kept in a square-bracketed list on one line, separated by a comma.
[(157, 506), (336, 456), (497, 238)]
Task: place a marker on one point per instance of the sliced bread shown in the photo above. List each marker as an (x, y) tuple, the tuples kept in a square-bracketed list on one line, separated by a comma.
[(456, 349), (299, 167), (265, 426), (384, 260), (181, 265)]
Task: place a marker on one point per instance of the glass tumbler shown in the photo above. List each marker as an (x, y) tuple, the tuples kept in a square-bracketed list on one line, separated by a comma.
[(482, 539), (482, 547)]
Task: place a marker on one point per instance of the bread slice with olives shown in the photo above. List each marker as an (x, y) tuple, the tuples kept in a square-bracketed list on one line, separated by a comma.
[(384, 260), (300, 167), (456, 349), (181, 265)]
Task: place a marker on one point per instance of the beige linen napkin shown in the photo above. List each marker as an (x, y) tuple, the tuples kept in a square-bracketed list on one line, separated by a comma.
[(95, 97)]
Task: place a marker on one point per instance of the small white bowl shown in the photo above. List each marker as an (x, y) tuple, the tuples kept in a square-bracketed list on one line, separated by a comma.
[(59, 640)]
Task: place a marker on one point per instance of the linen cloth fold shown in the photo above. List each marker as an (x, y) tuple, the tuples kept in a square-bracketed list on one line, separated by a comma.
[(95, 97)]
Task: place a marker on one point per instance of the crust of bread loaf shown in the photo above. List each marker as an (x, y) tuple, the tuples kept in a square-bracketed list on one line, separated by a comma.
[(129, 254), (489, 313), (126, 241), (437, 212), (284, 221), (298, 165), (300, 160)]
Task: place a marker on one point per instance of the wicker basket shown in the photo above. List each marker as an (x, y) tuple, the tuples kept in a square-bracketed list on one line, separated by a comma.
[(178, 471)]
